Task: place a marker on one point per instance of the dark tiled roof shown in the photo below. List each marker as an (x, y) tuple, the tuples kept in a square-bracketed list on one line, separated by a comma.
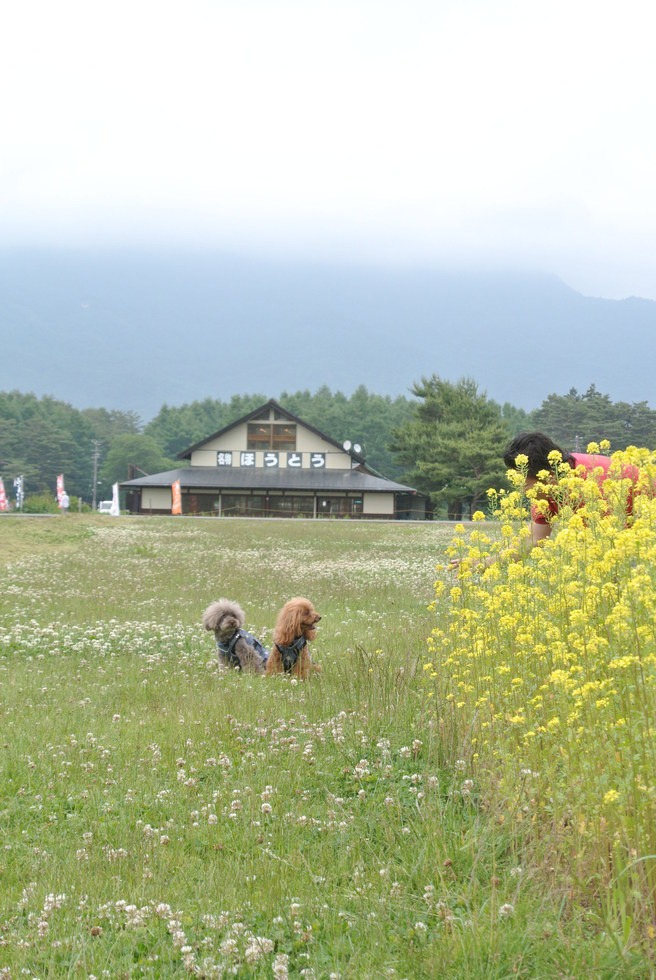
[(249, 478)]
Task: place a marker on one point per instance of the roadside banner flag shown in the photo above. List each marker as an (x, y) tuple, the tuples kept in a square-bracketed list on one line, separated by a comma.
[(115, 510), (176, 498), (60, 489), (19, 487), (3, 497)]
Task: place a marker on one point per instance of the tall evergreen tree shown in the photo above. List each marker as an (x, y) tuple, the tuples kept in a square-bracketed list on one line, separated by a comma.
[(574, 420), (452, 448), (517, 419), (40, 438), (127, 452)]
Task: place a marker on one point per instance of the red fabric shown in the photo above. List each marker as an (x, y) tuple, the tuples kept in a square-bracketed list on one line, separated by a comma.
[(589, 463)]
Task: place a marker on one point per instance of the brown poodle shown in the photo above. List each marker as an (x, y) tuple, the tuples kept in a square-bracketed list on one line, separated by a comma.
[(234, 646), (294, 629)]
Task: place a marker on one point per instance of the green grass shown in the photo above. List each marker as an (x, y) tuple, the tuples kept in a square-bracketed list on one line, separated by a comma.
[(159, 815)]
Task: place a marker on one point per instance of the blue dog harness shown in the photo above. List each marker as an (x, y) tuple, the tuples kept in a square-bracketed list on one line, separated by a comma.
[(227, 650), (290, 654)]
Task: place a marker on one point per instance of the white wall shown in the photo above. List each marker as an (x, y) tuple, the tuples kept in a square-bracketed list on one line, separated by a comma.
[(235, 441), (378, 503), (155, 498)]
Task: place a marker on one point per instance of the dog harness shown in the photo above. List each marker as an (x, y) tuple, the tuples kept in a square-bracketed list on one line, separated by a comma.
[(290, 654), (227, 650)]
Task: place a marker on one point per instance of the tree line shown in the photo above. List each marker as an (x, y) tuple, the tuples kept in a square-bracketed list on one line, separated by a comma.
[(446, 440)]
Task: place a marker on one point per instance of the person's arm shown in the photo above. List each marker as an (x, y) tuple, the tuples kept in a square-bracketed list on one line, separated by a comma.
[(539, 532)]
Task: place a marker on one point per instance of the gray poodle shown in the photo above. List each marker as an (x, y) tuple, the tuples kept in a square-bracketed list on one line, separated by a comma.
[(235, 647)]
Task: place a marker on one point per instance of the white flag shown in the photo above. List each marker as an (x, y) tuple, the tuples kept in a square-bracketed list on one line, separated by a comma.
[(114, 510)]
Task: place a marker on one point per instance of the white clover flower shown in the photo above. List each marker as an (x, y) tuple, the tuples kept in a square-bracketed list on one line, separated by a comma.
[(281, 966), (229, 947), (258, 946)]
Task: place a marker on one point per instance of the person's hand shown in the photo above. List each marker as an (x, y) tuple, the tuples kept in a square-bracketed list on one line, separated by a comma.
[(455, 563)]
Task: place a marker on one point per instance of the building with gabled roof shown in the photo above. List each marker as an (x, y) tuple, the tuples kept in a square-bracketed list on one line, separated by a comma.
[(270, 463)]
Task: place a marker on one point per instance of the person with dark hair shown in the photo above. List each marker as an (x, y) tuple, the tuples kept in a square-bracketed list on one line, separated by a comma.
[(534, 450), (537, 448)]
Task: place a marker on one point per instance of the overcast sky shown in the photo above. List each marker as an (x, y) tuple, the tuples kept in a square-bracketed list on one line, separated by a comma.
[(429, 132)]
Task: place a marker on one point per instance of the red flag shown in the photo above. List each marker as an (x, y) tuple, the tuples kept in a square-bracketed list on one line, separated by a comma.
[(3, 497), (60, 488), (176, 498)]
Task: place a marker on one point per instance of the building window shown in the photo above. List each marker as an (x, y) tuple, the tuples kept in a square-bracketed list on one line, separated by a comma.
[(284, 506), (339, 506), (267, 435)]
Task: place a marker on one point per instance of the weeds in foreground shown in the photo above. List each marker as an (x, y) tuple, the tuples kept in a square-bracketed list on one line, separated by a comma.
[(162, 817)]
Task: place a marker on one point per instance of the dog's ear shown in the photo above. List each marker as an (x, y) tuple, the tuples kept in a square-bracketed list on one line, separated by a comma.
[(301, 618), (211, 616), (302, 613)]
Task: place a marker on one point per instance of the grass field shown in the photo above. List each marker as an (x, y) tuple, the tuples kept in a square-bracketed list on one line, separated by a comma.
[(161, 817)]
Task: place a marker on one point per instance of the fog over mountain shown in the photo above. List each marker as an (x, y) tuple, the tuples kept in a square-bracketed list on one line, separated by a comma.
[(134, 330)]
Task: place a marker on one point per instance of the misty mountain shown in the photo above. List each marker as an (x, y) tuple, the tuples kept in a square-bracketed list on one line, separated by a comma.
[(134, 330)]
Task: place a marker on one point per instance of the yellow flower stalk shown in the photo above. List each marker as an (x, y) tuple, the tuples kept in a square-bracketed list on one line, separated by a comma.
[(550, 657)]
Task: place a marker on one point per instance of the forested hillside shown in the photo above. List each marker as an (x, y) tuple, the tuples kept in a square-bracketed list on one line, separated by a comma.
[(40, 438), (446, 439)]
